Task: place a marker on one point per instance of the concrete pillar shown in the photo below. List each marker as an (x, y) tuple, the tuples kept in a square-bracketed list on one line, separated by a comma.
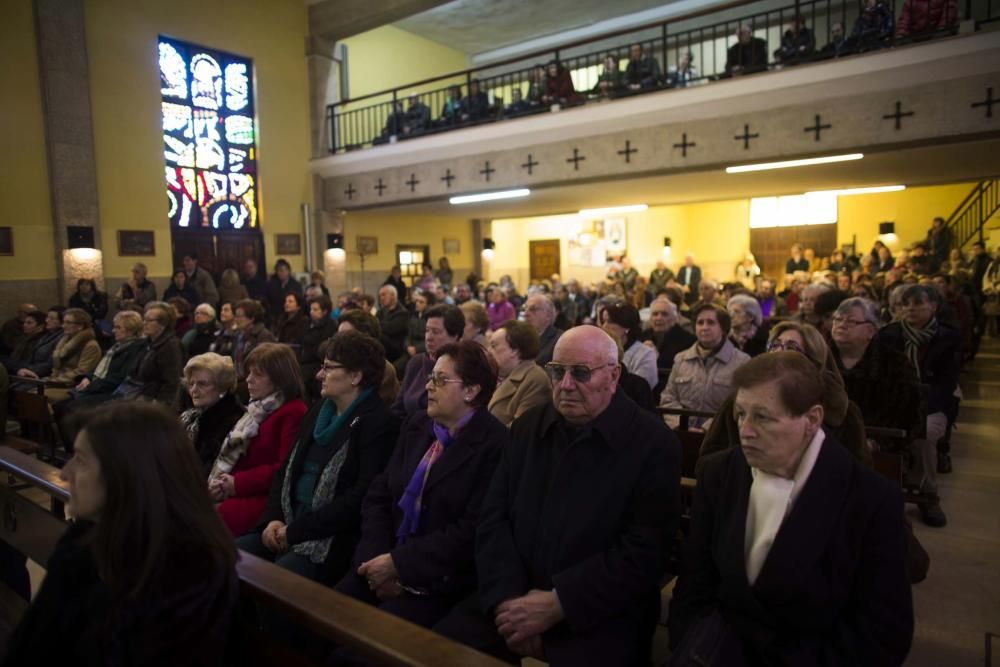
[(324, 89), (69, 137)]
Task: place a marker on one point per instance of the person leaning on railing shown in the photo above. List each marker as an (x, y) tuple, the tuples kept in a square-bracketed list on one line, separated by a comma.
[(145, 574)]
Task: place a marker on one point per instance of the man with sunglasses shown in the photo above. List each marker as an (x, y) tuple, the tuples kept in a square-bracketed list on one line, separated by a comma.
[(574, 531)]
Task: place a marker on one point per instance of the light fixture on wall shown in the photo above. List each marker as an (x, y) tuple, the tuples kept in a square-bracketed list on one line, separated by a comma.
[(886, 228), (80, 238), (488, 246), (666, 247), (612, 210), (335, 246), (785, 164), (860, 191), (490, 196)]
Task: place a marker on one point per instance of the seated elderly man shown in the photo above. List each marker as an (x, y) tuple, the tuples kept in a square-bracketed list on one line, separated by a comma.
[(796, 552), (702, 376), (540, 313), (574, 529), (665, 336)]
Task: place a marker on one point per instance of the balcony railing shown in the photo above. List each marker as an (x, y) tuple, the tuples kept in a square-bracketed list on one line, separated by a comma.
[(690, 50)]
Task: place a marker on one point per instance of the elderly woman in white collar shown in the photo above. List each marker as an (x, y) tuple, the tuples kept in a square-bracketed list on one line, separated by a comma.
[(797, 552)]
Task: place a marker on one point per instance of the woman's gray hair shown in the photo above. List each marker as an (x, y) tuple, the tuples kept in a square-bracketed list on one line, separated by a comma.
[(207, 308), (221, 368), (749, 304), (131, 321), (869, 308)]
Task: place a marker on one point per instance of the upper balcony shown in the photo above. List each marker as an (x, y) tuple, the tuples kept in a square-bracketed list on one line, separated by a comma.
[(686, 51)]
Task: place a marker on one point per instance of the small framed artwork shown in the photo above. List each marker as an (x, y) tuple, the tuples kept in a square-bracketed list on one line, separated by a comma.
[(6, 241), (288, 244), (367, 245), (452, 246), (136, 243)]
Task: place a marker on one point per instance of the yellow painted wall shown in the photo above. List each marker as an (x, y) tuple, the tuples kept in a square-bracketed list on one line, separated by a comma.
[(392, 229), (24, 187), (125, 94), (387, 57)]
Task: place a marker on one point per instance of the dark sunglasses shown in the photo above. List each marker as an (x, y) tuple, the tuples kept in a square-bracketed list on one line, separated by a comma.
[(579, 372)]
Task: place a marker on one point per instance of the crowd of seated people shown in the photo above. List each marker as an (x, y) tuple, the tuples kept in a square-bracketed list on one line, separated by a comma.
[(507, 484)]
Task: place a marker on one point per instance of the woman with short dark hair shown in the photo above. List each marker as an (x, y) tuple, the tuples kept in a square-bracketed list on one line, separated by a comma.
[(321, 329), (145, 575), (292, 322), (796, 552), (523, 383), (254, 449), (621, 322), (415, 558), (249, 315), (90, 299), (180, 287), (313, 516), (445, 324)]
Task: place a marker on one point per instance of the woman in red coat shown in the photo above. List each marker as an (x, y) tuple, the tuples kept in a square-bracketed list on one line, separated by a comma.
[(261, 440), (559, 86)]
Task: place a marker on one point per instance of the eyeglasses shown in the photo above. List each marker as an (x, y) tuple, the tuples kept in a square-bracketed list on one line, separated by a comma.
[(580, 373), (788, 346), (439, 380), (837, 319), (326, 368)]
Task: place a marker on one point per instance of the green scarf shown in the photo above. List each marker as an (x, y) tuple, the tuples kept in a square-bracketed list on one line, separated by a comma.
[(329, 422)]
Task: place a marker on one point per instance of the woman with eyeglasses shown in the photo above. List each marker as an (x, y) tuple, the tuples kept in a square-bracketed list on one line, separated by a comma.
[(879, 379), (445, 325), (841, 417), (415, 558), (312, 521)]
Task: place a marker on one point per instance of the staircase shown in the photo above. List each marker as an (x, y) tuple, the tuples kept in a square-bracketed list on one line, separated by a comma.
[(969, 221)]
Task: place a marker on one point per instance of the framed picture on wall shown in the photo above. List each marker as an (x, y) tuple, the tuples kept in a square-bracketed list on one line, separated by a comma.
[(6, 241), (452, 246), (288, 244), (367, 245), (136, 243), (614, 236)]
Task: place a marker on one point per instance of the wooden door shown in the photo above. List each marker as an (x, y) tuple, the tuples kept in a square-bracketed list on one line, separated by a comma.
[(771, 245), (218, 251), (544, 258)]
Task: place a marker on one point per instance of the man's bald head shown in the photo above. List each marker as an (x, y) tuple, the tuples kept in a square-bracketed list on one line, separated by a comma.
[(591, 348)]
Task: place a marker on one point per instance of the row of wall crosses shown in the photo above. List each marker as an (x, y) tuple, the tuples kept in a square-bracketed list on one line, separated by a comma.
[(816, 128)]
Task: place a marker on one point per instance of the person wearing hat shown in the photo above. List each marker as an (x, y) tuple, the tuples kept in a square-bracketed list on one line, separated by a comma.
[(621, 322)]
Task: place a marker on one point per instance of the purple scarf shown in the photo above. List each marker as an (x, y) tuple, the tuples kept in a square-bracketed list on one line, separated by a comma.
[(413, 493)]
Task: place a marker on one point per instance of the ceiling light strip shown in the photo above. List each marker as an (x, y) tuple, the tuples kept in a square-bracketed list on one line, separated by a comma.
[(490, 196), (764, 166), (860, 191)]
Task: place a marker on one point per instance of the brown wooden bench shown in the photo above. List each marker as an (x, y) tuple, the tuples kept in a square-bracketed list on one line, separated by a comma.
[(377, 636)]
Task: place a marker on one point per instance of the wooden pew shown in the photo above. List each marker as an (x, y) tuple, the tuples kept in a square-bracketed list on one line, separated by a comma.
[(380, 637)]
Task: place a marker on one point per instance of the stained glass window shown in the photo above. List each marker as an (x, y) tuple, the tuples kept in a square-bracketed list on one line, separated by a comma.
[(209, 137)]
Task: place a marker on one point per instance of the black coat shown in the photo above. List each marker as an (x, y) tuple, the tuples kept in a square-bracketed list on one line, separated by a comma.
[(122, 363), (97, 307), (756, 345), (591, 518), (834, 588), (159, 369), (940, 362), (548, 339), (213, 427), (750, 57), (884, 386), (440, 556), (370, 436), (275, 294), (72, 620), (395, 325), (310, 358)]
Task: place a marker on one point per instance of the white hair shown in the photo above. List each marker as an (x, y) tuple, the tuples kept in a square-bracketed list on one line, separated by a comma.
[(390, 288), (671, 306), (206, 307)]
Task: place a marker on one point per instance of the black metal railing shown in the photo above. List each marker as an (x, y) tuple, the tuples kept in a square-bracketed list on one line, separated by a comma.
[(972, 214), (705, 39)]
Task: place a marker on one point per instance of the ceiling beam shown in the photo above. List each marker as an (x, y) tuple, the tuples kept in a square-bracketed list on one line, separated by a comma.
[(339, 19)]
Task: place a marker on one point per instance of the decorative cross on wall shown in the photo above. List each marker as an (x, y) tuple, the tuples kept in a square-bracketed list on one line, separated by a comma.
[(576, 159), (350, 191), (988, 102), (899, 115), (746, 137), (684, 145), (529, 165), (817, 128), (448, 176), (413, 182), (627, 151), (380, 186), (487, 171)]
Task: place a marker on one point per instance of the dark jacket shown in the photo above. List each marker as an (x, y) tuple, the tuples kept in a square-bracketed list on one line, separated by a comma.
[(791, 266), (290, 328), (796, 45), (246, 341), (548, 339), (97, 307), (440, 557), (73, 619), (476, 106), (395, 325), (370, 436), (884, 386), (256, 288), (159, 369), (123, 361), (940, 361), (756, 345), (412, 394), (751, 57), (644, 72), (873, 29), (276, 292), (834, 588), (189, 294), (37, 356), (401, 289), (309, 356), (213, 427), (590, 516), (560, 88), (199, 338), (676, 340)]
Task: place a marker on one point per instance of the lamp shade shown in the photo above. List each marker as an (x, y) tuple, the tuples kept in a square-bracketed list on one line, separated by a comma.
[(79, 237), (887, 228), (334, 241)]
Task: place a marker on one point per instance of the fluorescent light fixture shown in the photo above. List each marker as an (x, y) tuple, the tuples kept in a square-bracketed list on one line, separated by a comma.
[(612, 210), (860, 191), (490, 196), (764, 166)]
